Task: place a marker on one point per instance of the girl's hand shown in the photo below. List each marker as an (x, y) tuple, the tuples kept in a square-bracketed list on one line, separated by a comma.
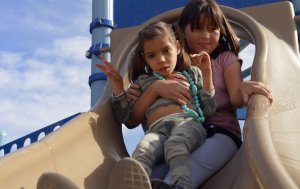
[(133, 92), (202, 61), (176, 77), (112, 74), (248, 88), (170, 89), (173, 90), (109, 70)]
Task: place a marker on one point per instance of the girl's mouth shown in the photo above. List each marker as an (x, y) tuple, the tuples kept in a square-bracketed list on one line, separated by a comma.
[(203, 45), (164, 69)]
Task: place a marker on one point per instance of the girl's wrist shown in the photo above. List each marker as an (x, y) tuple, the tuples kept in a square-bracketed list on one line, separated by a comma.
[(206, 73), (118, 89), (154, 88)]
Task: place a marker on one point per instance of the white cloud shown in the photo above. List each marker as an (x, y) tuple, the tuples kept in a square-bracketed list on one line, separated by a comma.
[(41, 91), (8, 59), (46, 79), (72, 48)]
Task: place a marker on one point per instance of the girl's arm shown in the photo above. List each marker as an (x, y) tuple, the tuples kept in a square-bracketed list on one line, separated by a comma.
[(121, 106), (141, 104), (202, 61), (170, 89), (239, 90), (233, 78), (248, 88), (133, 92), (207, 97), (112, 74)]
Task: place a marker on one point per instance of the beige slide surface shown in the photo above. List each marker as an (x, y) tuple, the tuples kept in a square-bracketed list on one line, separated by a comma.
[(86, 148)]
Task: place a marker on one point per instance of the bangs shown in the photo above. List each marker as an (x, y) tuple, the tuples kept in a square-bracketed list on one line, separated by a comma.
[(207, 16)]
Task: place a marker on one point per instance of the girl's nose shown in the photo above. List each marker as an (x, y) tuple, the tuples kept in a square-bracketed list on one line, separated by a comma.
[(162, 59), (204, 34)]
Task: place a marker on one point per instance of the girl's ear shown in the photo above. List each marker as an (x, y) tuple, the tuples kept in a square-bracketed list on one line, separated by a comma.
[(178, 47)]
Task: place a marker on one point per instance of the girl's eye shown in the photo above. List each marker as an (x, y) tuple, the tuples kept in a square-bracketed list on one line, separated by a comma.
[(150, 56), (166, 50), (198, 28), (213, 28)]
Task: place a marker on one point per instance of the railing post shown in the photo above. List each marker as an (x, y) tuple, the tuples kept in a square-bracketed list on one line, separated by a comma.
[(100, 28)]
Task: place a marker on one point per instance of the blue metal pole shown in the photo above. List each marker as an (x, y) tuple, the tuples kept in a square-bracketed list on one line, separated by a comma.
[(100, 28), (296, 4)]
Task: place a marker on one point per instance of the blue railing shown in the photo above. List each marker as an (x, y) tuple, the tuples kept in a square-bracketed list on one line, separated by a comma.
[(34, 136)]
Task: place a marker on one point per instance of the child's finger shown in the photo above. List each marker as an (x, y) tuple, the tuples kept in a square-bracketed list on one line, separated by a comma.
[(101, 57), (102, 67)]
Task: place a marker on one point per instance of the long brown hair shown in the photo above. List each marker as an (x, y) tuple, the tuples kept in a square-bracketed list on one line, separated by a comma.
[(138, 65), (213, 15)]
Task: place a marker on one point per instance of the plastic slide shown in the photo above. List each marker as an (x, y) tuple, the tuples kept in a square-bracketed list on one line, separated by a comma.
[(87, 147)]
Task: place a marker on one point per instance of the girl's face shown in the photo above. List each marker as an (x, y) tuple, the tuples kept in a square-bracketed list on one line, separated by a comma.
[(202, 38), (160, 53)]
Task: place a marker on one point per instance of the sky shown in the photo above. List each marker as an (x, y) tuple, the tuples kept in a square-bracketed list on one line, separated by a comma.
[(43, 69)]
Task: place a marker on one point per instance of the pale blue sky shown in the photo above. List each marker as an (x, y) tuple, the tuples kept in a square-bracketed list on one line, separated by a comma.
[(43, 69)]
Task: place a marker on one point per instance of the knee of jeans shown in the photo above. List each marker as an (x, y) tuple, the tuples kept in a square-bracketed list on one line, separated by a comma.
[(175, 147), (182, 142)]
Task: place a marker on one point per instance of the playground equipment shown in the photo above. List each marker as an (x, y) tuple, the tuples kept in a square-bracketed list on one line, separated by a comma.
[(87, 147)]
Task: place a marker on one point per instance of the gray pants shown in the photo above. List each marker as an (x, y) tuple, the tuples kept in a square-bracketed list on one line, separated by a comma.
[(205, 160), (173, 137)]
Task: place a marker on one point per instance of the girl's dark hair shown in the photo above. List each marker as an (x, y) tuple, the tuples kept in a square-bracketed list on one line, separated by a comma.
[(138, 65), (213, 15)]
